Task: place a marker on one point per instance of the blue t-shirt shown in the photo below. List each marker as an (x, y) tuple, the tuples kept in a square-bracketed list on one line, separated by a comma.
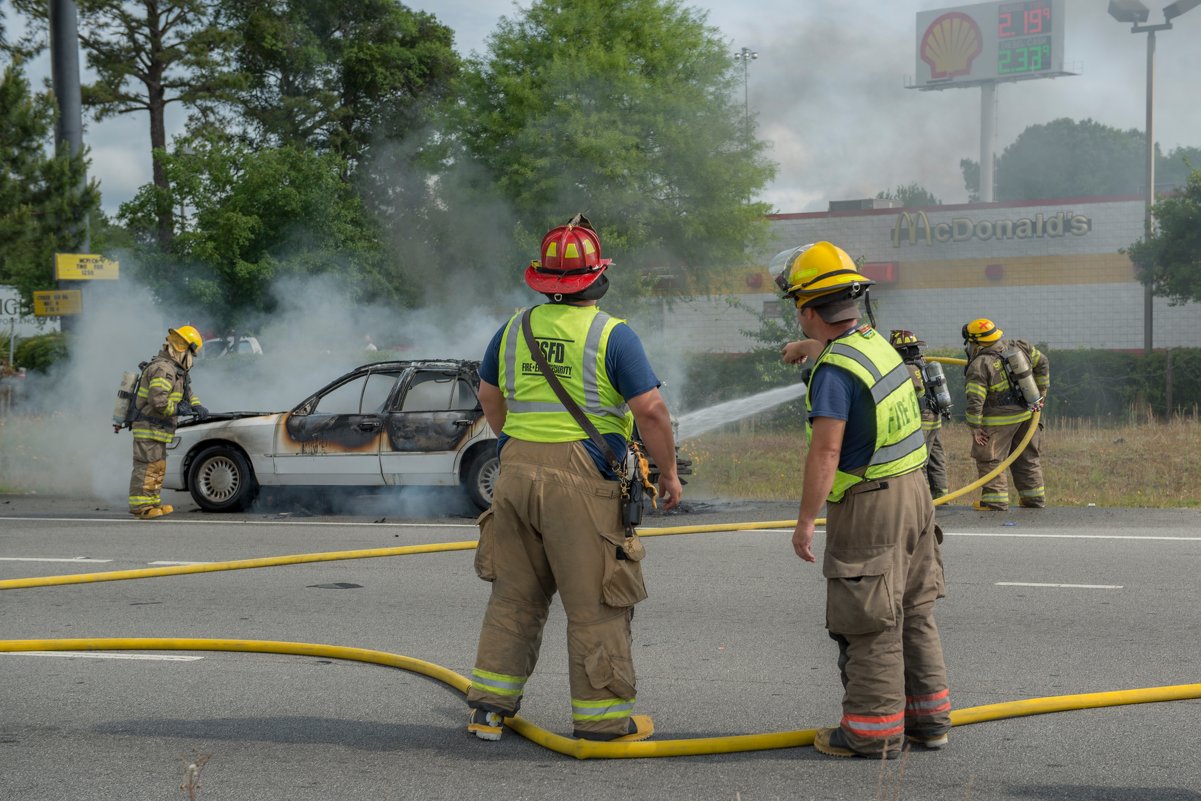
[(628, 368), (835, 393)]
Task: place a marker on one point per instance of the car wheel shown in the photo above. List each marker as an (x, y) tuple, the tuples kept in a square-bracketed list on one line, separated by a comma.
[(220, 480), (481, 478)]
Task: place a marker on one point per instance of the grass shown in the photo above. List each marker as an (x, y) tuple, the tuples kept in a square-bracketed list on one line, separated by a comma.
[(1144, 465)]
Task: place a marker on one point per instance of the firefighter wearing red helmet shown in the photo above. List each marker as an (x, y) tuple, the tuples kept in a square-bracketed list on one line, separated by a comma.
[(164, 391), (864, 465), (556, 522), (1005, 381)]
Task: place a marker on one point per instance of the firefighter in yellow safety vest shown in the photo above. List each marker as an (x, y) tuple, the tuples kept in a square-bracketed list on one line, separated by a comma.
[(164, 391), (1006, 380), (881, 563), (925, 376), (556, 522)]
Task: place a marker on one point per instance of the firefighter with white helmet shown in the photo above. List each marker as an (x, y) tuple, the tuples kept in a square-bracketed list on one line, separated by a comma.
[(164, 391), (556, 522), (931, 387), (882, 565), (1006, 380)]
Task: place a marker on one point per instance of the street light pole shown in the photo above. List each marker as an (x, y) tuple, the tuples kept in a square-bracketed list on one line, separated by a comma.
[(746, 56), (1134, 12)]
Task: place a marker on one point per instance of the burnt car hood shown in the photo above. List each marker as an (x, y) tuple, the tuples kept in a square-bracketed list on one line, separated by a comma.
[(218, 417)]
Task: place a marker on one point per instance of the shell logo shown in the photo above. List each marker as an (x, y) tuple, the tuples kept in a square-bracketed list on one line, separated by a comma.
[(950, 45)]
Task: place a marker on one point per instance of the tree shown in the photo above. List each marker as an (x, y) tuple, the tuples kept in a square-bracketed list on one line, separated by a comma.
[(146, 55), (626, 110), (251, 216), (1067, 158), (1170, 261), (911, 195), (336, 75), (44, 202)]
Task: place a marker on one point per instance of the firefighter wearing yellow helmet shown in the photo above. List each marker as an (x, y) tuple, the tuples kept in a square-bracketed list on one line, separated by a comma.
[(881, 563), (931, 387), (1006, 380), (164, 391)]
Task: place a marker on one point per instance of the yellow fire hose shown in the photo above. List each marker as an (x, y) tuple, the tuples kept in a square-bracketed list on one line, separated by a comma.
[(580, 749), (586, 749)]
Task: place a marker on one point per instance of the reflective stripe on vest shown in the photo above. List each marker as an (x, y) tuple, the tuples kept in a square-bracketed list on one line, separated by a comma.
[(574, 340), (900, 446)]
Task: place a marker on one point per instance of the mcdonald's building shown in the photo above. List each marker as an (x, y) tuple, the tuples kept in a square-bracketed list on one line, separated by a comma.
[(1049, 271)]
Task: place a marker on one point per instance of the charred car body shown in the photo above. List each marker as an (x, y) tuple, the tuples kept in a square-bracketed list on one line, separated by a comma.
[(389, 423), (397, 423)]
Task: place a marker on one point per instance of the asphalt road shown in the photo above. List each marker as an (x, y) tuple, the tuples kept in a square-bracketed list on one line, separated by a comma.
[(730, 642)]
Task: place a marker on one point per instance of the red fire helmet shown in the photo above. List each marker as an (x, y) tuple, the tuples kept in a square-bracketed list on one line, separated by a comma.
[(571, 261)]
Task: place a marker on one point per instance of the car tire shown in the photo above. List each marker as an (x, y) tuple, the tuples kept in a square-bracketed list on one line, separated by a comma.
[(480, 478), (221, 480)]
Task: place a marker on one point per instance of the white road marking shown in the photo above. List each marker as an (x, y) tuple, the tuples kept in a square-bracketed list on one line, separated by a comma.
[(48, 559), (1062, 586), (1068, 536), (102, 655)]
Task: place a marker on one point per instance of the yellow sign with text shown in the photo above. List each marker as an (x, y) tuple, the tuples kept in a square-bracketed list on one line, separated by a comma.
[(57, 303), (84, 267)]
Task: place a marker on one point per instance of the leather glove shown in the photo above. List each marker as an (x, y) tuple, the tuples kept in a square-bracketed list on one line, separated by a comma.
[(183, 407), (201, 412)]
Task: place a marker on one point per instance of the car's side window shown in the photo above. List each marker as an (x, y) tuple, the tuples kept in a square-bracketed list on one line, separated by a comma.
[(429, 392), (375, 395), (465, 399), (343, 399)]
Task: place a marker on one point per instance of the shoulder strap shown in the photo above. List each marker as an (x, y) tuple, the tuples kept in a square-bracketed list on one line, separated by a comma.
[(566, 399)]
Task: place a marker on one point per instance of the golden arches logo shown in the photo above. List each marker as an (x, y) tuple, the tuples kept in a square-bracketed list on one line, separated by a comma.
[(950, 45)]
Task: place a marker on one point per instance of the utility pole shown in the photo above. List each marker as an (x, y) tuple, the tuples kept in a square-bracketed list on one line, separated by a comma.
[(64, 70), (746, 56)]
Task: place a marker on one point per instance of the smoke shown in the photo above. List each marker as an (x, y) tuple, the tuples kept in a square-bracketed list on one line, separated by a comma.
[(58, 438)]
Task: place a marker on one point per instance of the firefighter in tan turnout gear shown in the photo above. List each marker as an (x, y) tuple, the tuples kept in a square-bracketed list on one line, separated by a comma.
[(556, 522), (931, 386), (882, 564), (1006, 381), (163, 392)]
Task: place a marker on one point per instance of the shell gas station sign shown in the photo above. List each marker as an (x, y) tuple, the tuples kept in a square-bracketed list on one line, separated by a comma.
[(1010, 40)]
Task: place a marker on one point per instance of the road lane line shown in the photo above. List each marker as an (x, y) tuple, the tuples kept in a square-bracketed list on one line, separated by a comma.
[(1061, 586), (50, 559), (101, 655), (163, 522)]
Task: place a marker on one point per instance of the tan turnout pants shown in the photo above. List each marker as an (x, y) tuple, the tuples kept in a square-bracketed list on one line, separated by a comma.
[(1027, 469), (556, 525), (146, 479), (884, 572), (936, 462)]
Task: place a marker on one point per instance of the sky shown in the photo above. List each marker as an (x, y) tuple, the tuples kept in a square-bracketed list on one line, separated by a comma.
[(828, 94)]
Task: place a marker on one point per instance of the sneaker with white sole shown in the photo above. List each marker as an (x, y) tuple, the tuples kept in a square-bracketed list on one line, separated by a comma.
[(486, 725)]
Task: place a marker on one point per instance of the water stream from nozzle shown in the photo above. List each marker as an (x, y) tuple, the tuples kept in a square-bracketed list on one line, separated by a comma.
[(702, 421)]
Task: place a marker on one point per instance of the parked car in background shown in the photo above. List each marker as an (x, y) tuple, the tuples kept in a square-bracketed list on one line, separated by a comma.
[(225, 346)]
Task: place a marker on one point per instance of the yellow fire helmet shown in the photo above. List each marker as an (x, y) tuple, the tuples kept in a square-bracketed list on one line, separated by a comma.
[(814, 271), (185, 337), (982, 331)]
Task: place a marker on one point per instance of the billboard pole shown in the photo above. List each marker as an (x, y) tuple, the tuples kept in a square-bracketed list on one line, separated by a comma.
[(988, 127)]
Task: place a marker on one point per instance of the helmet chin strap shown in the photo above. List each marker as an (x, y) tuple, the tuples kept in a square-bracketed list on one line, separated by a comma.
[(594, 292)]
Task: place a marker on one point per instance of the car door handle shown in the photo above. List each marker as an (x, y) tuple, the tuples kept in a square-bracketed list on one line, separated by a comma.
[(463, 423), (368, 425)]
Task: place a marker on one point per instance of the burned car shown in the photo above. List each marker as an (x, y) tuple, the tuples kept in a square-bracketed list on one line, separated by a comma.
[(397, 423), (389, 423)]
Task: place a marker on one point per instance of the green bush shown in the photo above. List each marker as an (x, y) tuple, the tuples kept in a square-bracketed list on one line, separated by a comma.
[(41, 351)]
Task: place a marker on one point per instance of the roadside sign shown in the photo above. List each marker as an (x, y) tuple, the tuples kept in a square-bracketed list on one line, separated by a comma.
[(84, 267), (57, 303)]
